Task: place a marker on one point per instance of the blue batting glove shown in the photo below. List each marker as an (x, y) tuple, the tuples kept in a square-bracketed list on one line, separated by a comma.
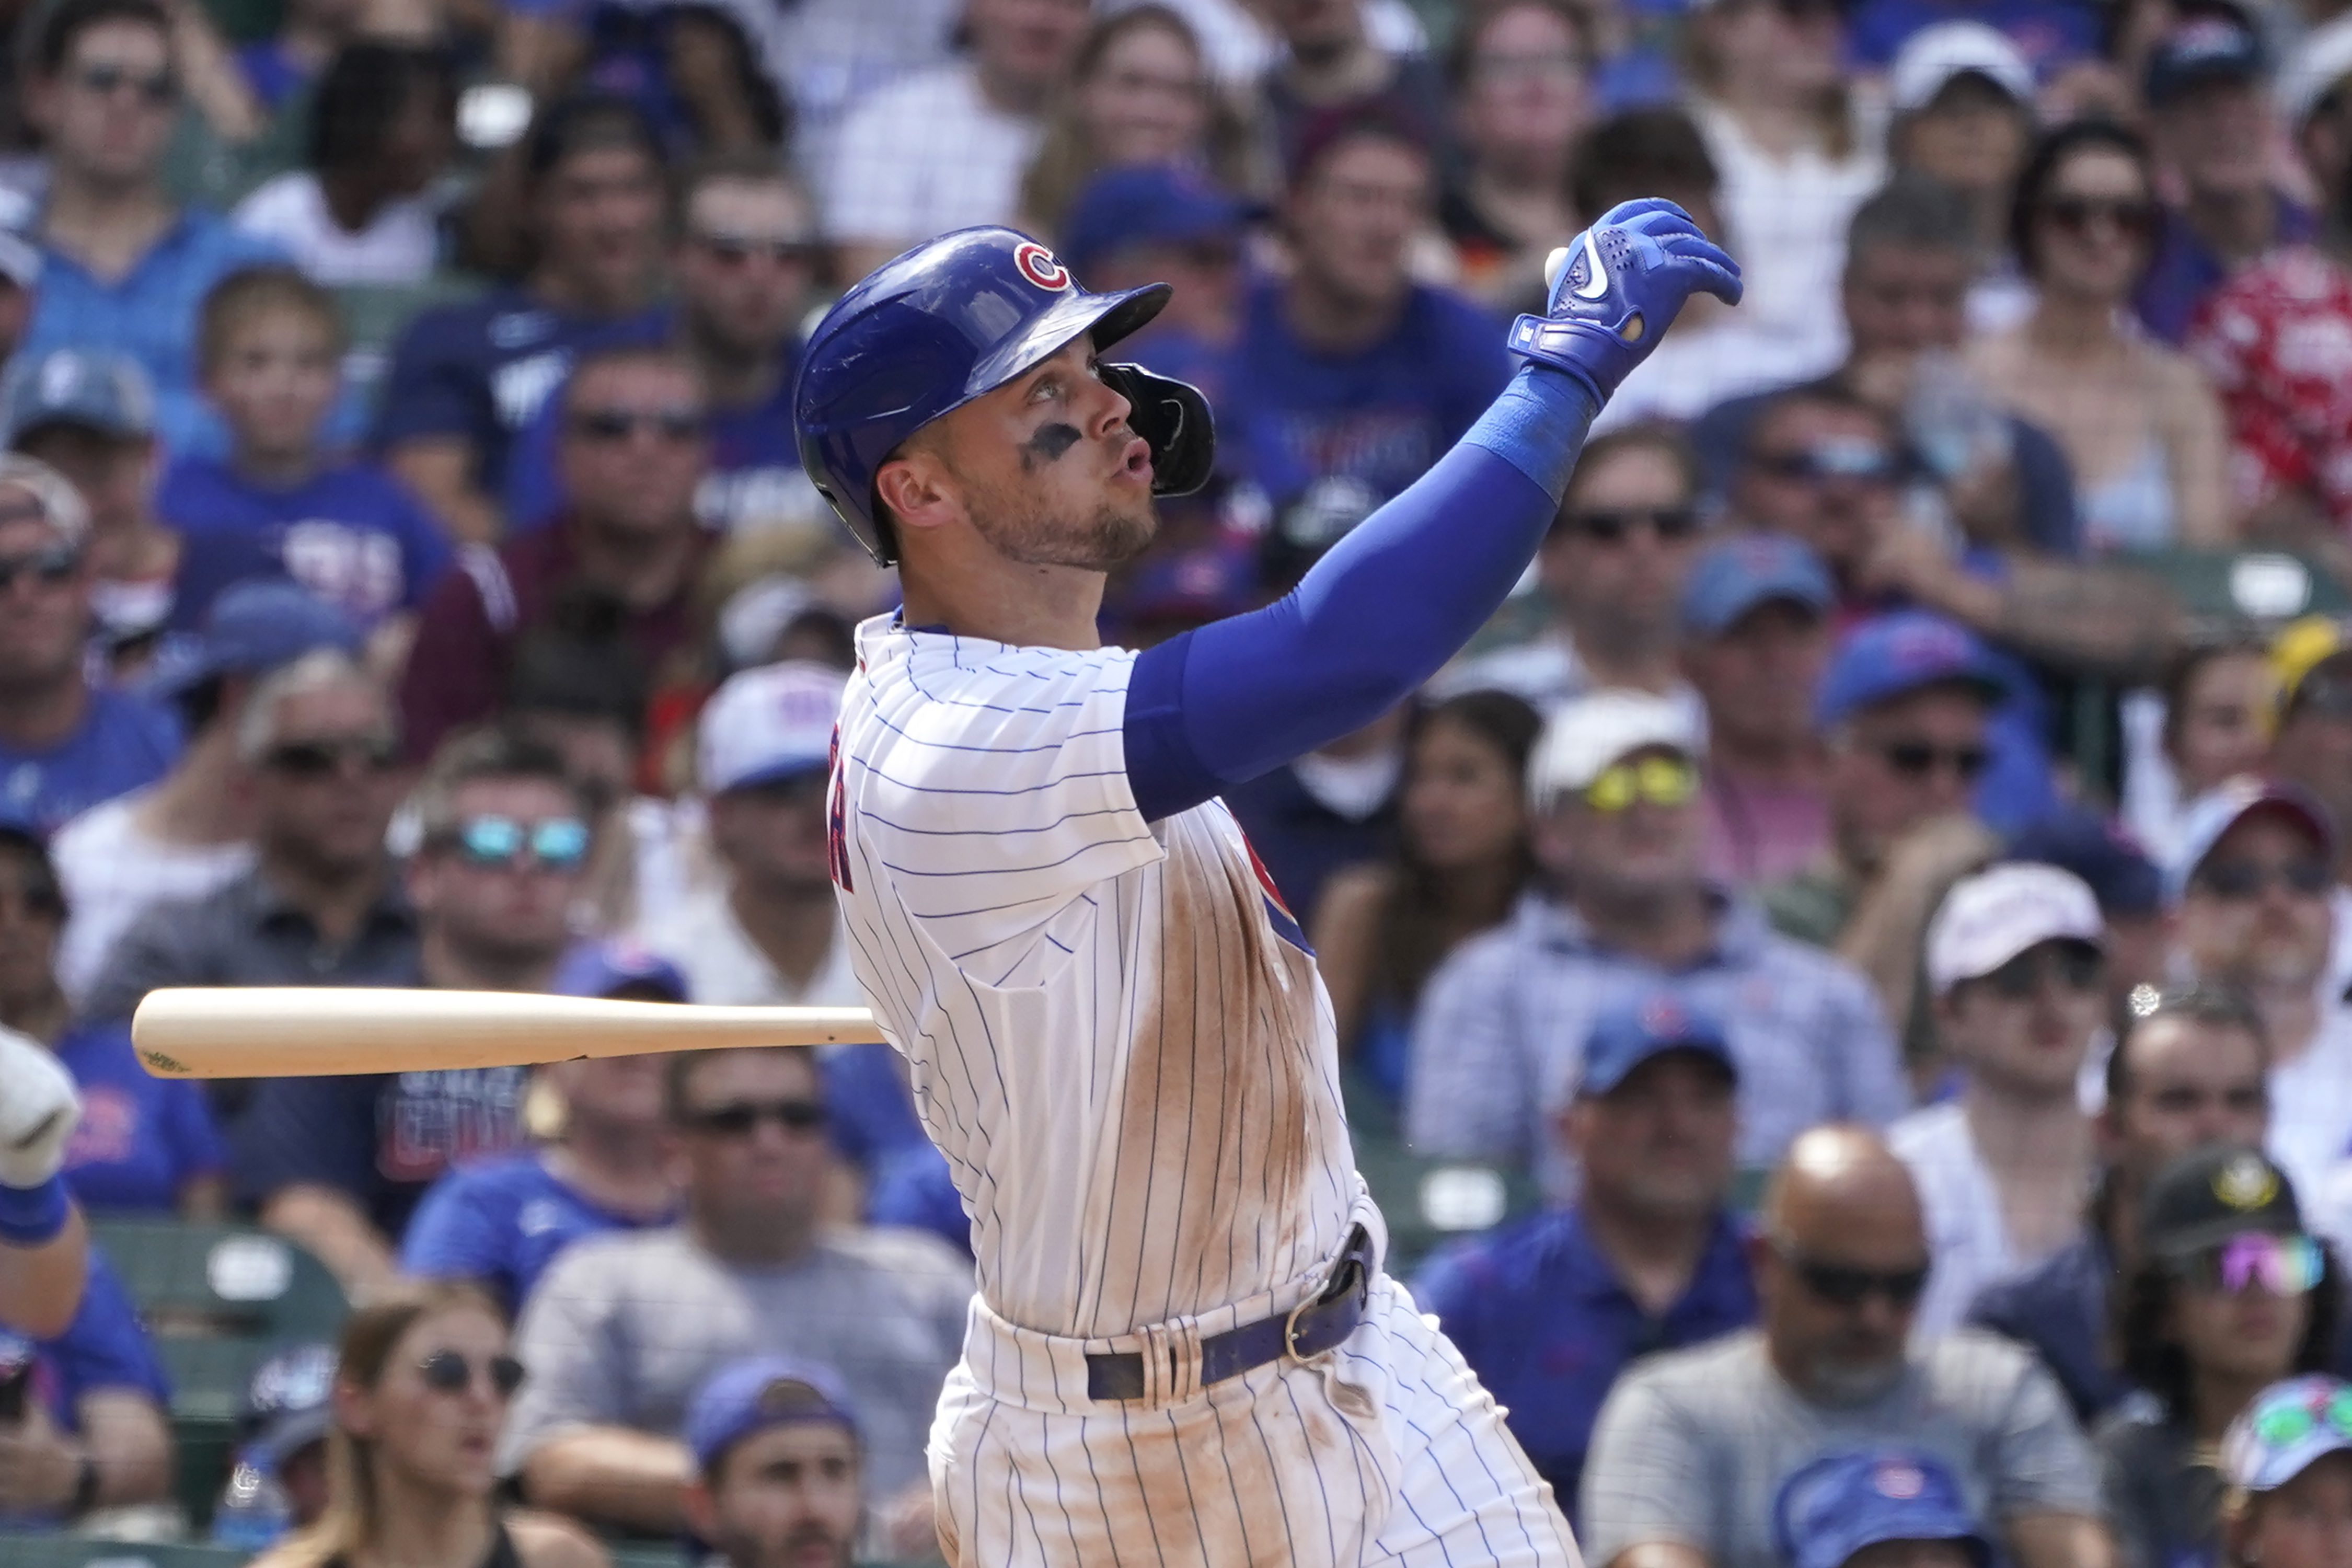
[(1616, 288)]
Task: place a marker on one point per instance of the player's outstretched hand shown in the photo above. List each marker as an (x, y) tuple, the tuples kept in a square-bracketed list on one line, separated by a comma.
[(1616, 288), (39, 1108)]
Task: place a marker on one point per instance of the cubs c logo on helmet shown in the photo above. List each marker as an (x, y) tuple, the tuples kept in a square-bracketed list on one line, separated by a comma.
[(1038, 265)]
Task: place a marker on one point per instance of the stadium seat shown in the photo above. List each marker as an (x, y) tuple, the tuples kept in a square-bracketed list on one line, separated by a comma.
[(79, 1551)]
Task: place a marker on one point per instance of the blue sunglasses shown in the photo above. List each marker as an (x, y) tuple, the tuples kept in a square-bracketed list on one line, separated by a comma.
[(560, 844)]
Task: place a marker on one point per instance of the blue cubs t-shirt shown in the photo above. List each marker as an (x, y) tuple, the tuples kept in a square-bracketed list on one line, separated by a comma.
[(102, 1348), (125, 741), (501, 1222), (1370, 422), (141, 1138), (755, 465), (352, 535), (2049, 33), (481, 370)]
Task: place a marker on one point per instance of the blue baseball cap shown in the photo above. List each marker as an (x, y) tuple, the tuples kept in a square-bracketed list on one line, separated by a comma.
[(1843, 1502), (1736, 574), (601, 968), (1895, 655), (1629, 1033), (1147, 204), (2203, 49), (2226, 805), (252, 627), (105, 391), (286, 1407), (2107, 859), (758, 1391)]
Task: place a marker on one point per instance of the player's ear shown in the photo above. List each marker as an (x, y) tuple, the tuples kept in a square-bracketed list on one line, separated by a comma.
[(918, 488)]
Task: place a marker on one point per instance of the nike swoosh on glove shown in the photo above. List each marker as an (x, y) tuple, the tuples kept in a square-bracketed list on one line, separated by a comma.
[(1616, 288), (39, 1108)]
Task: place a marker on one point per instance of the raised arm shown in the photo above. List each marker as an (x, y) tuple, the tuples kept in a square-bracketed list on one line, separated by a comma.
[(1400, 595), (42, 1248)]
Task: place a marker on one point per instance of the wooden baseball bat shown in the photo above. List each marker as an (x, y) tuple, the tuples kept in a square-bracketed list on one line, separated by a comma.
[(302, 1031)]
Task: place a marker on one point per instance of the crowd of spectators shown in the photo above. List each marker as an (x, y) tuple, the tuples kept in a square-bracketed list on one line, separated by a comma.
[(1907, 951)]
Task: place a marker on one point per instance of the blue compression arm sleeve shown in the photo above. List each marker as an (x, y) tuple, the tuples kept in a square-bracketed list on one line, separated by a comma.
[(1372, 620)]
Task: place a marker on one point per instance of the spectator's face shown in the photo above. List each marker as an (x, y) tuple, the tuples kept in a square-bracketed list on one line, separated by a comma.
[(326, 787), (2093, 226), (1757, 679), (1912, 1554), (2217, 135), (2027, 1027), (1616, 557), (1659, 1145), (108, 113), (115, 474), (1823, 474), (1030, 42), (1904, 300), (437, 1439), (43, 597), (2189, 1084), (1788, 49), (2217, 732), (2248, 1337), (1317, 30), (1526, 96), (613, 1094), (2244, 922), (635, 446), (1353, 217), (513, 905), (599, 215), (772, 836), (1836, 1304), (744, 264), (2314, 744), (31, 915), (1464, 806), (785, 1498), (1147, 99), (1903, 763), (275, 381), (1646, 850), (2306, 1523), (748, 1169), (418, 144), (1971, 136)]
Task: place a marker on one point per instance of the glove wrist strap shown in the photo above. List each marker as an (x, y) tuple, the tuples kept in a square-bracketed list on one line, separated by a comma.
[(1573, 346), (32, 1215)]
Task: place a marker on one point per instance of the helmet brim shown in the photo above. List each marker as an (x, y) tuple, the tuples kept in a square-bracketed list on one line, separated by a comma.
[(1108, 317)]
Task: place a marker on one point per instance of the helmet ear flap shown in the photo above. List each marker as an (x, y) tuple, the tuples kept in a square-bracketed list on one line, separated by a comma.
[(1173, 419)]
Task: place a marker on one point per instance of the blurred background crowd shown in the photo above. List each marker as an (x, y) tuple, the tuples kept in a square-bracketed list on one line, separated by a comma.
[(1867, 933)]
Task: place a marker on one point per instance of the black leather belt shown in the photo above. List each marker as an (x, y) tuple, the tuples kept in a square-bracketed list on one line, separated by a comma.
[(1316, 1325)]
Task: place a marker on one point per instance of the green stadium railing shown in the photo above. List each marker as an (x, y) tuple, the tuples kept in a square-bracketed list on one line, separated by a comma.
[(215, 1300)]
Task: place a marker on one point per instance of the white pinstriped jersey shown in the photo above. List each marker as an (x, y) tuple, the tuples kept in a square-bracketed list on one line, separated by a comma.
[(1116, 1032)]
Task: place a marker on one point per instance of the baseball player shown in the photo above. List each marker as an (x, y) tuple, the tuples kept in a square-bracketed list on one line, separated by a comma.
[(42, 1247), (1182, 1350)]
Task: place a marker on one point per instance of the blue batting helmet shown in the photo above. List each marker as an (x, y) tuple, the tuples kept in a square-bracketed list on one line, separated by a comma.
[(952, 318)]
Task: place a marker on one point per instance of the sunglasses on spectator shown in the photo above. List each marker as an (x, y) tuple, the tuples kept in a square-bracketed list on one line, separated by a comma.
[(740, 1118), (50, 565), (2075, 215), (159, 91), (1917, 759), (450, 1371), (1843, 1287), (2236, 880), (1610, 525), (1659, 781), (613, 425), (329, 758), (560, 843), (735, 249), (2076, 966), (2278, 1265), (1863, 461)]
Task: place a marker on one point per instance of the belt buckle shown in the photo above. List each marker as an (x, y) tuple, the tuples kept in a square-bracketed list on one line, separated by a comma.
[(1290, 1329)]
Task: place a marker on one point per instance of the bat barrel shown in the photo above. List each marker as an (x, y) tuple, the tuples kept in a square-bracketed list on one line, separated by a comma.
[(294, 1031)]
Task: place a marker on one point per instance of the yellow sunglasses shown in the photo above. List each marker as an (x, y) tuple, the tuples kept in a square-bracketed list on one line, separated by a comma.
[(1660, 781)]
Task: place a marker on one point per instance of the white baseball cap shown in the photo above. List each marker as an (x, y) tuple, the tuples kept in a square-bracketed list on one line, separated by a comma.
[(1933, 56), (769, 724), (1584, 738), (2322, 59), (1991, 918)]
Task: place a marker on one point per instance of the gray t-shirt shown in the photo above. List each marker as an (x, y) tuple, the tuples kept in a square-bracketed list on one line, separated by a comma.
[(2163, 1497), (1693, 1446), (622, 1330)]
